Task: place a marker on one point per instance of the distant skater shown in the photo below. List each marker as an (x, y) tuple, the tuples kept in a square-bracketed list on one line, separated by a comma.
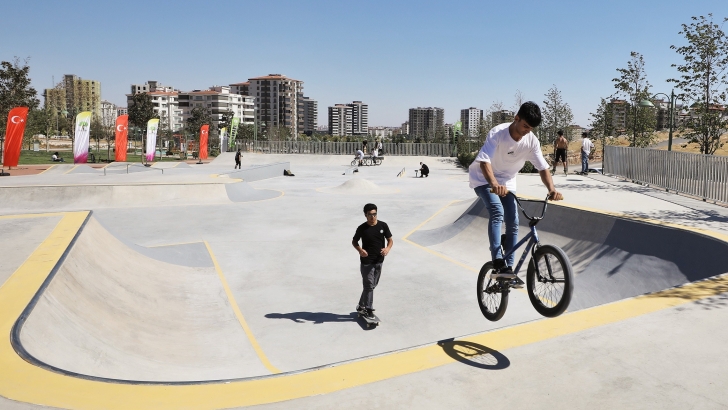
[(560, 154), (371, 256), (359, 155), (238, 156), (364, 145), (424, 170), (586, 149)]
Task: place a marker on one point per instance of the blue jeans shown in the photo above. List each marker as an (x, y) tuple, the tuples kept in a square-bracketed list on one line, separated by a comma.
[(500, 210), (584, 161)]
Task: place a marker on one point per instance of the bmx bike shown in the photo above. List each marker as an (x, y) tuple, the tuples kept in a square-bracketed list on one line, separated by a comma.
[(367, 161), (549, 278)]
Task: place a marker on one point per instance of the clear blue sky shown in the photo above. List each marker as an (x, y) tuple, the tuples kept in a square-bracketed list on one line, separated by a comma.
[(393, 55)]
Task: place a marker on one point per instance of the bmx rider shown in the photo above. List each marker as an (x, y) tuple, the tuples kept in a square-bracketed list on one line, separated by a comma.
[(493, 173)]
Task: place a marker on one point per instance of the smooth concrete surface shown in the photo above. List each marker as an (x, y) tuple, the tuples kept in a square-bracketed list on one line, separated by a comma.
[(18, 238), (120, 309)]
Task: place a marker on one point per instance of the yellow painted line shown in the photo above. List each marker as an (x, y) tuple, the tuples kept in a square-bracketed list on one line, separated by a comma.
[(261, 355), (23, 216), (47, 169), (74, 167), (21, 381)]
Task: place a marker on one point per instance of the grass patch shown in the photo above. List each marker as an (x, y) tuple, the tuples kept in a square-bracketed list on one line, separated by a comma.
[(28, 157)]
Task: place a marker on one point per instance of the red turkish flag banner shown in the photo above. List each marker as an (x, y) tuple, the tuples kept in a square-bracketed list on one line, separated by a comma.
[(17, 117), (122, 130), (204, 131)]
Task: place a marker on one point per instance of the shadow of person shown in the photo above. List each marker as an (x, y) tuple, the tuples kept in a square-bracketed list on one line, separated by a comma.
[(313, 317), (474, 354)]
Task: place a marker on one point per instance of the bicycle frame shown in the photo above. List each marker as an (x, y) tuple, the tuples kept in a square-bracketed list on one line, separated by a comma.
[(532, 238)]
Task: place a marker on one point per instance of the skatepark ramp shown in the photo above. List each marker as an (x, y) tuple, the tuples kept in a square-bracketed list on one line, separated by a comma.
[(614, 257), (113, 313)]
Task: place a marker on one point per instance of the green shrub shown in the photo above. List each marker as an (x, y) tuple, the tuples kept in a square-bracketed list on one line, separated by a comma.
[(528, 168), (466, 158)]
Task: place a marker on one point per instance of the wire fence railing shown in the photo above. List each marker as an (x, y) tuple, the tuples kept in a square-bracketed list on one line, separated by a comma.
[(704, 176), (344, 148)]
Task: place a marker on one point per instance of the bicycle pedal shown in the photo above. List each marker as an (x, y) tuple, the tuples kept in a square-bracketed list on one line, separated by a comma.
[(503, 276)]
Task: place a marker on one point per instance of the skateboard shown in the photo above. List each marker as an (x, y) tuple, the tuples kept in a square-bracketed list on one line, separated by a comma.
[(370, 322)]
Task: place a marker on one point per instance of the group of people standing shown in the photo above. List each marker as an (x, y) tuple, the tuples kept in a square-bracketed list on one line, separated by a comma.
[(561, 147)]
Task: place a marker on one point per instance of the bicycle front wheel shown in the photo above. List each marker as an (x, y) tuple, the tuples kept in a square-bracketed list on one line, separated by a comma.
[(550, 281), (492, 295), (354, 162)]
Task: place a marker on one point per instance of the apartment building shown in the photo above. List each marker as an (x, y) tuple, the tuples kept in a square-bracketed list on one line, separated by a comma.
[(151, 86), (619, 110), (218, 100), (122, 111), (499, 117), (404, 129), (108, 113), (340, 120), (426, 123), (308, 119), (278, 101), (166, 106), (471, 119), (383, 132), (83, 95), (240, 88), (359, 118), (55, 101)]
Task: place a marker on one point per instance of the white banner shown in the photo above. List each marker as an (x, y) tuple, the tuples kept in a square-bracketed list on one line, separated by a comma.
[(152, 127), (80, 137)]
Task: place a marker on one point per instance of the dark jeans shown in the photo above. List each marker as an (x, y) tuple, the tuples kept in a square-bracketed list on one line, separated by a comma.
[(237, 164), (370, 278)]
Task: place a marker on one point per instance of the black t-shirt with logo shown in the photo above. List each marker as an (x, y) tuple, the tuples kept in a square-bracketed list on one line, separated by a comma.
[(372, 241)]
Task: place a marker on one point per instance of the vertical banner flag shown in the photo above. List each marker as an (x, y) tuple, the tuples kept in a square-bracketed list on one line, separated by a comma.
[(17, 118), (80, 140), (457, 129), (152, 126), (223, 139), (234, 130), (122, 129), (204, 130)]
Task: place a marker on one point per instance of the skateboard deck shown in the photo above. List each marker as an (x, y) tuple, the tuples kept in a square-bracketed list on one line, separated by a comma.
[(370, 322)]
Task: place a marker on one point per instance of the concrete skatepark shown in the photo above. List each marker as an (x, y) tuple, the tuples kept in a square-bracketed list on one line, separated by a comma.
[(200, 286)]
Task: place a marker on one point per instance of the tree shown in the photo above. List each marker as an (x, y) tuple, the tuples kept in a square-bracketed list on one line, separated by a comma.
[(141, 110), (199, 116), (97, 131), (38, 123), (518, 100), (632, 84), (556, 115), (15, 89), (703, 78)]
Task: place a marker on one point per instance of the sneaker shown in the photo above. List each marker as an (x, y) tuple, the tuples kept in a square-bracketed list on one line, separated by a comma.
[(361, 310), (505, 272), (499, 264), (370, 314)]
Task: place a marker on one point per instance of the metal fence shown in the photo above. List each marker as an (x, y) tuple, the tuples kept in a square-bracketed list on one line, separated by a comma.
[(704, 176), (344, 148)]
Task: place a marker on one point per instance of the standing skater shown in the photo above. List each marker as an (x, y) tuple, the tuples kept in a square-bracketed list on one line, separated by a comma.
[(560, 147), (238, 155), (371, 255), (586, 149)]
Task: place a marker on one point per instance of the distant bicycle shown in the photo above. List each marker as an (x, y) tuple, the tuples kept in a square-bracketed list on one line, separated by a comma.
[(367, 161), (549, 278)]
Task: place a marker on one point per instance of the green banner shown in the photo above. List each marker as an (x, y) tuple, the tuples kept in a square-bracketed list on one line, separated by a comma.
[(233, 131)]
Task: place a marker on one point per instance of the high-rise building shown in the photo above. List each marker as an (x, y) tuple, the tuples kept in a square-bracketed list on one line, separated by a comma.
[(340, 120), (308, 119), (427, 123), (471, 119), (122, 111), (82, 95), (359, 118), (278, 101), (240, 88), (618, 110)]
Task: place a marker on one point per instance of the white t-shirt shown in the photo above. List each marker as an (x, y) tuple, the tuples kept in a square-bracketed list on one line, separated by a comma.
[(359, 154), (506, 157), (586, 145)]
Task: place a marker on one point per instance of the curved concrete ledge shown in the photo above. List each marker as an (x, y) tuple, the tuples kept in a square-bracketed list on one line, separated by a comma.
[(614, 257)]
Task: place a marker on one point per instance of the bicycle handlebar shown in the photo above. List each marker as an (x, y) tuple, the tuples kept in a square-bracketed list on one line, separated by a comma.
[(523, 211)]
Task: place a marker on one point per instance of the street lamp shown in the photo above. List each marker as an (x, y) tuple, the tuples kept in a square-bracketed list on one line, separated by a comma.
[(671, 114), (643, 104)]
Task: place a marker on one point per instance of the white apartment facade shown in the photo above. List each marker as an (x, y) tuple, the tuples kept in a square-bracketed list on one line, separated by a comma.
[(218, 100), (471, 119), (359, 118), (108, 113), (340, 120)]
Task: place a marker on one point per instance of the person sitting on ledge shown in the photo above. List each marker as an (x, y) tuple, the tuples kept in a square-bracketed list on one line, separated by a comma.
[(424, 170), (56, 158)]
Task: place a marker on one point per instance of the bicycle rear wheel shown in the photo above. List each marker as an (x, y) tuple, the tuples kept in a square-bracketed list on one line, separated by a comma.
[(492, 294), (551, 285)]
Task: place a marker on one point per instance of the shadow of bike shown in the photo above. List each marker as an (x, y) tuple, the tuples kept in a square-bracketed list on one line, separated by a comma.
[(474, 354)]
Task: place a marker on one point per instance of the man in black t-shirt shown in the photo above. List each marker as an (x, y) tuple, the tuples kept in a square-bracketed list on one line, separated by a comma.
[(424, 170), (238, 155), (371, 255)]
